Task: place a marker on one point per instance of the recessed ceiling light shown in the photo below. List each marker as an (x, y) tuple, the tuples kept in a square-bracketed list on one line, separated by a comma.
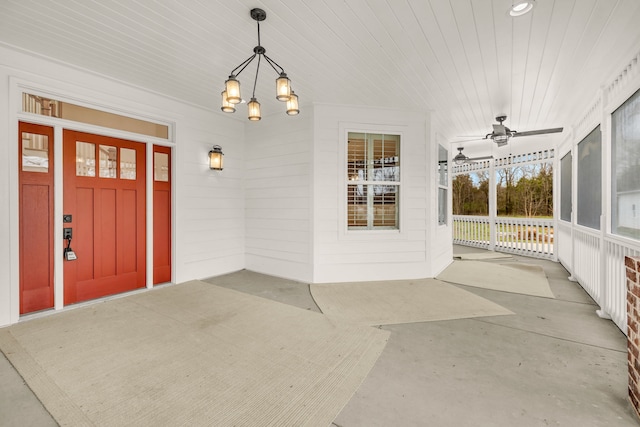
[(519, 8)]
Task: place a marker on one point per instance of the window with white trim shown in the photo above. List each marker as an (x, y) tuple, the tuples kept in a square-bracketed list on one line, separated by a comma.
[(373, 181)]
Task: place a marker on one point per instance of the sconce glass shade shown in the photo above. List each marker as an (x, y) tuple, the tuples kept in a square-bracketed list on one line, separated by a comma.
[(227, 107), (216, 158), (254, 110), (292, 105), (232, 87), (283, 88)]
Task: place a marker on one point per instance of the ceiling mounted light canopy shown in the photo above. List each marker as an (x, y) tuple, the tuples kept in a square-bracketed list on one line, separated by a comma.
[(519, 8), (231, 93)]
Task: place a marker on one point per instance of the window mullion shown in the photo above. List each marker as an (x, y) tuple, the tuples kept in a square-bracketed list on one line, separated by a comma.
[(370, 192)]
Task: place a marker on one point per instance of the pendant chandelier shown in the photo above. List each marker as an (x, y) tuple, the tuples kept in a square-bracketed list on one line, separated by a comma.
[(231, 93)]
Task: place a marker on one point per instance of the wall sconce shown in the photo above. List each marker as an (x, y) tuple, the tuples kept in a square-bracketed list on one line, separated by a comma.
[(216, 158)]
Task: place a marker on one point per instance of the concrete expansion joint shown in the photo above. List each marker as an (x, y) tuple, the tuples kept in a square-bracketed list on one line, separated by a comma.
[(551, 336)]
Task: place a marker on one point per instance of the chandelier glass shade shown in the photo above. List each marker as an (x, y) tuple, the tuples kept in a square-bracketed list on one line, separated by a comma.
[(227, 106), (292, 105), (231, 94)]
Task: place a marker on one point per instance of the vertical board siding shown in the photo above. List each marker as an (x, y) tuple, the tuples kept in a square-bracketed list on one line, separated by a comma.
[(277, 183)]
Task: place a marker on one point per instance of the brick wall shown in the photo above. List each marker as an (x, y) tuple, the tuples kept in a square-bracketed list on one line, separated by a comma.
[(633, 325)]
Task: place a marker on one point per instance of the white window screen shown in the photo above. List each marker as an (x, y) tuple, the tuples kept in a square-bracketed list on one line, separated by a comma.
[(565, 187), (625, 169), (373, 186), (590, 180)]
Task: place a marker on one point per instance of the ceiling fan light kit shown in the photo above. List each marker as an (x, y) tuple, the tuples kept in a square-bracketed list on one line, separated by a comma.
[(460, 158), (501, 134)]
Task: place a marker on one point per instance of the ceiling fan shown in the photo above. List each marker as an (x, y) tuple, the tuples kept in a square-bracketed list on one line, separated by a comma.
[(501, 134), (461, 158)]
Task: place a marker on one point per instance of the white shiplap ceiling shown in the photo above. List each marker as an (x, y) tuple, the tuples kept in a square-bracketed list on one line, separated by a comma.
[(466, 60)]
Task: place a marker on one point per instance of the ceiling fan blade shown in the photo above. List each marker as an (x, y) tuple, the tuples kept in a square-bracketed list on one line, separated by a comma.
[(537, 132), (499, 130), (480, 158), (468, 140)]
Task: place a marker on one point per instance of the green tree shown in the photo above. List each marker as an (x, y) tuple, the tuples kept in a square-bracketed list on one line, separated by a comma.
[(534, 191), (462, 190)]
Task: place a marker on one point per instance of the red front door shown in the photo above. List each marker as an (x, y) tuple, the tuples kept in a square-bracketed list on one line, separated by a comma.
[(35, 176), (104, 193)]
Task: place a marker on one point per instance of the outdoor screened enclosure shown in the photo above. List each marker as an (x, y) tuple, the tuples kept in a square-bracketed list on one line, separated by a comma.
[(508, 204)]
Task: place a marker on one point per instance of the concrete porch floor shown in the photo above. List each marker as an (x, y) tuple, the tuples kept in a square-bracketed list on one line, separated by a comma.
[(553, 363)]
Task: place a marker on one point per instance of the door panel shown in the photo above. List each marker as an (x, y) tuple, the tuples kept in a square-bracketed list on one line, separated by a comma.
[(83, 225), (107, 247), (161, 214), (105, 194), (129, 224), (35, 165)]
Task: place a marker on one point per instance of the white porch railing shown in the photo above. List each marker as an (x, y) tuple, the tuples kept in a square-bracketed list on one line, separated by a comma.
[(522, 236), (471, 231), (596, 262), (615, 280), (586, 261), (563, 244)]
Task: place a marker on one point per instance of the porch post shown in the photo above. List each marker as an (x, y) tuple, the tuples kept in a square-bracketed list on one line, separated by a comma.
[(492, 206)]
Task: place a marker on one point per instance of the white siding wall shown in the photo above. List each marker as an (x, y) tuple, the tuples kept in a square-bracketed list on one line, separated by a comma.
[(208, 205), (342, 255), (276, 208), (278, 195)]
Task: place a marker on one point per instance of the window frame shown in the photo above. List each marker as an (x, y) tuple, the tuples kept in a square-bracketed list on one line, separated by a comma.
[(370, 183), (345, 232), (613, 225)]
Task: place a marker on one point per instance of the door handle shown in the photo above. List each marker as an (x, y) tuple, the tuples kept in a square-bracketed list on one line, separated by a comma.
[(69, 254)]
